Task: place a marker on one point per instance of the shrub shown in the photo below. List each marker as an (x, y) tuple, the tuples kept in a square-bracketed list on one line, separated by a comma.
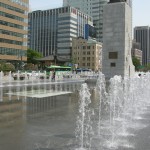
[(6, 67)]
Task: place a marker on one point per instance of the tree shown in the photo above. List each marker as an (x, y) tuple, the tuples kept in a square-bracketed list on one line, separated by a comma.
[(30, 66), (6, 67), (32, 56), (146, 68), (136, 62)]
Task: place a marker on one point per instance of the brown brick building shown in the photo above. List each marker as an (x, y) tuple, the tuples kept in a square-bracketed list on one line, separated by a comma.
[(13, 29)]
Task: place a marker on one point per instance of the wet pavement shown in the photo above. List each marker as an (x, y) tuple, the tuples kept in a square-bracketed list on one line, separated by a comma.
[(49, 122), (29, 123)]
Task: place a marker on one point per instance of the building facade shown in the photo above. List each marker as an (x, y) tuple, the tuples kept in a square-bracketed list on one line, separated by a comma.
[(136, 52), (142, 36), (117, 44), (13, 29), (87, 53), (51, 31), (93, 8)]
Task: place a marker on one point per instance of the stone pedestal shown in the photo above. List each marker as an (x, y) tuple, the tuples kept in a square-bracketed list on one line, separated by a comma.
[(117, 41)]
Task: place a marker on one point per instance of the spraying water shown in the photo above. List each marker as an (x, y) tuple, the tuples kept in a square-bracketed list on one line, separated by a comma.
[(84, 130), (121, 104)]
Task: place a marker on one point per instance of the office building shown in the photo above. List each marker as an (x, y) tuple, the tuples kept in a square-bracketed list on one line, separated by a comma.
[(117, 41), (90, 32), (13, 30), (93, 8), (87, 53), (142, 36), (136, 52), (51, 31)]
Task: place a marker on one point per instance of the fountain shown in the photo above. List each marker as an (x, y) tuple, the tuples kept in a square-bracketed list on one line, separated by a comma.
[(84, 127), (109, 120), (1, 79), (102, 94), (121, 104)]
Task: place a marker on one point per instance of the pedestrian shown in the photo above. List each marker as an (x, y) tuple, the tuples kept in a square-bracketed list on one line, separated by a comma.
[(28, 76), (53, 76)]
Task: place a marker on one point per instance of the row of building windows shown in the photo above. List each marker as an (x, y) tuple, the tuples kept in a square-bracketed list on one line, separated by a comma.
[(20, 2), (64, 41), (11, 16), (85, 47), (84, 53), (66, 23), (11, 24), (88, 58), (60, 48), (11, 33), (61, 34), (59, 11), (11, 51), (11, 8), (50, 12), (88, 64), (67, 18), (67, 27), (10, 41)]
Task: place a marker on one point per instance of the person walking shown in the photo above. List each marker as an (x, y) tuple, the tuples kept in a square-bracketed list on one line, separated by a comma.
[(53, 76)]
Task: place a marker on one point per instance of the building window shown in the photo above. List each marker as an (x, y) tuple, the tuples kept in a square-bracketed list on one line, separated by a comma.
[(88, 58), (84, 53), (113, 55), (88, 53), (88, 64), (112, 64), (84, 47), (88, 47), (83, 64)]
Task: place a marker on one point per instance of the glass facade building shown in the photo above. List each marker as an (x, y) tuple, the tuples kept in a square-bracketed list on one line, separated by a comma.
[(93, 8), (142, 36), (51, 31), (13, 29)]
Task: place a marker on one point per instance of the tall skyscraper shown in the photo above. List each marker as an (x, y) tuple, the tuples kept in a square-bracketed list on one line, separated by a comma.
[(117, 44), (142, 36), (13, 29), (93, 8), (51, 31)]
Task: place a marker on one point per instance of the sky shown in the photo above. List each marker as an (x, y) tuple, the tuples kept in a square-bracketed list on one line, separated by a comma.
[(141, 9)]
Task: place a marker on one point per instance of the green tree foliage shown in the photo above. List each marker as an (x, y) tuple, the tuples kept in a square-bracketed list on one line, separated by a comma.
[(30, 67), (32, 56), (6, 67), (146, 68), (136, 62)]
